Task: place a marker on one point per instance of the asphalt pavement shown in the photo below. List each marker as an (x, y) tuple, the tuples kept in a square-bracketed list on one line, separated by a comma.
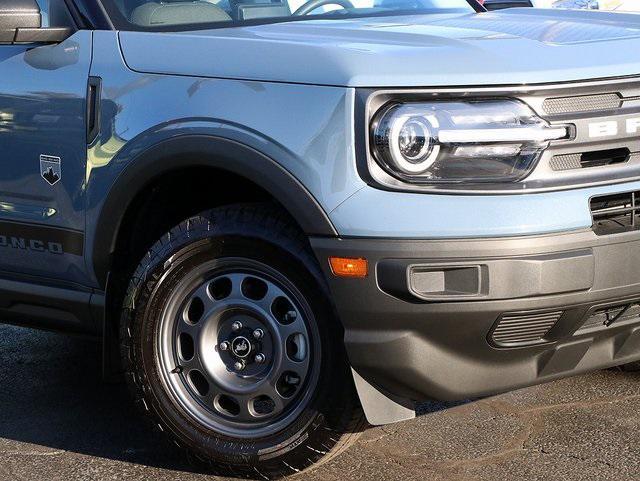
[(60, 422)]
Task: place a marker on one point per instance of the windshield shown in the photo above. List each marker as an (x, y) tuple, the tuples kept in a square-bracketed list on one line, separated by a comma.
[(163, 15)]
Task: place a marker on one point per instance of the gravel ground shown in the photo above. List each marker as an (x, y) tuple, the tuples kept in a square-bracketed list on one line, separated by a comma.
[(59, 421)]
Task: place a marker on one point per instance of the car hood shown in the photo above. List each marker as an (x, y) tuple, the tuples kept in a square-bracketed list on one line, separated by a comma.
[(519, 46)]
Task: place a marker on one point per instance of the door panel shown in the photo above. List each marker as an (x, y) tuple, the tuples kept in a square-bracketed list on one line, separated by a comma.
[(42, 131)]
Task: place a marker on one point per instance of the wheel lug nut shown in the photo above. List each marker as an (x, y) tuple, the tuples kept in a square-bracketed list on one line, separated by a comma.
[(292, 380), (238, 366), (223, 346), (236, 326), (290, 316), (260, 358), (258, 333)]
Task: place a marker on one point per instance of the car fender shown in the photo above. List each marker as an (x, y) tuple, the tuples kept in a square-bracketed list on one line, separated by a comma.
[(198, 150)]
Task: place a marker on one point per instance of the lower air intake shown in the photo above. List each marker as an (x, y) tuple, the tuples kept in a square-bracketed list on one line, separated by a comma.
[(611, 315), (616, 213), (523, 329)]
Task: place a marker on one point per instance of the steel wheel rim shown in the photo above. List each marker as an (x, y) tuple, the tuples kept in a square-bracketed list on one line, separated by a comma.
[(202, 375)]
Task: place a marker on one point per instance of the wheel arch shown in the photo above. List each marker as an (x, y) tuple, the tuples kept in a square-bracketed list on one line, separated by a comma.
[(190, 151)]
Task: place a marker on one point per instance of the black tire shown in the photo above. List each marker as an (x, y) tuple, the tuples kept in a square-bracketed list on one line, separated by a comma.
[(332, 418)]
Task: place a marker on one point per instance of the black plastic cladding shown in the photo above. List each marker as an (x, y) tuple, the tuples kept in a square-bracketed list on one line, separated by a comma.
[(194, 151), (420, 349)]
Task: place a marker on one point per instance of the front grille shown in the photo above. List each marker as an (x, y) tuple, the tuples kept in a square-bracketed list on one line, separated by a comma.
[(611, 315), (598, 158), (613, 214), (521, 329), (583, 103)]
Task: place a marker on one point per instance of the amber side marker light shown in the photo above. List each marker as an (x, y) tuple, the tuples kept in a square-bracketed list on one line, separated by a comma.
[(349, 267)]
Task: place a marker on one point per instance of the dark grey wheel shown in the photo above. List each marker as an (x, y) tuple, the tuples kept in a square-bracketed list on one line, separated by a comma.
[(233, 349)]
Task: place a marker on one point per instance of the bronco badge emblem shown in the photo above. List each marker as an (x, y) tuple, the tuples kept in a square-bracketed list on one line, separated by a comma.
[(241, 347), (50, 169)]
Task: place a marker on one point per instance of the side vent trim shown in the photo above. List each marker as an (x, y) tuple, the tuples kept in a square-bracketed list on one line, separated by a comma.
[(94, 94)]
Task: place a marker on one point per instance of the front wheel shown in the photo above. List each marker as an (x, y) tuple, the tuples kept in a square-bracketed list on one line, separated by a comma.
[(231, 345)]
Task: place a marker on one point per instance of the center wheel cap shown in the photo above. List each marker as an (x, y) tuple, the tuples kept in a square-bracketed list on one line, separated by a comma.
[(241, 347)]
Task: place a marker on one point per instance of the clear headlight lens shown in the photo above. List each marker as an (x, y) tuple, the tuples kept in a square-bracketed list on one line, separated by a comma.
[(461, 141)]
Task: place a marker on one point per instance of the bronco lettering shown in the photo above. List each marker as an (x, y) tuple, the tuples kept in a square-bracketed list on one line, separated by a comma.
[(33, 245), (610, 128)]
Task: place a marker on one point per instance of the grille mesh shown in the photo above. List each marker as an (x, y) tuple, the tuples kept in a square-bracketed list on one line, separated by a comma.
[(524, 329), (566, 162), (563, 162), (584, 103)]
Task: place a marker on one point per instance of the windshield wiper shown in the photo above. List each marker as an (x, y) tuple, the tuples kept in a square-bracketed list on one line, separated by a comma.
[(476, 6)]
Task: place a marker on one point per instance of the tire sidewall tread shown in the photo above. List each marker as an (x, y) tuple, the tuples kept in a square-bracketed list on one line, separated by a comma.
[(322, 436)]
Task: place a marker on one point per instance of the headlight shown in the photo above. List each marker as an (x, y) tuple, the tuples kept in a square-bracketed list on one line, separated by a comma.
[(460, 141)]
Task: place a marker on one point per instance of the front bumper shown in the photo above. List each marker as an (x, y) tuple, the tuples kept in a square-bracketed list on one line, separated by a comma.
[(455, 319)]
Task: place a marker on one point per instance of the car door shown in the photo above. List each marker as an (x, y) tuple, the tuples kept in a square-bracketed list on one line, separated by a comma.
[(43, 98)]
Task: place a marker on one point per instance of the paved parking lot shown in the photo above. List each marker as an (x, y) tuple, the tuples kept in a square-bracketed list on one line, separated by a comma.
[(58, 421)]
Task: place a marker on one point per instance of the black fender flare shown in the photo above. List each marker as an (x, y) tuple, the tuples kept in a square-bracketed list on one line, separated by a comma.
[(197, 151)]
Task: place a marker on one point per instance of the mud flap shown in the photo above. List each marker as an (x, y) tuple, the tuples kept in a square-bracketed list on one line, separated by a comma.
[(380, 408)]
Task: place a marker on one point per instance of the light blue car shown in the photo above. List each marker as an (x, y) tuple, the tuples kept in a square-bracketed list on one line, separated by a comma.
[(287, 219)]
